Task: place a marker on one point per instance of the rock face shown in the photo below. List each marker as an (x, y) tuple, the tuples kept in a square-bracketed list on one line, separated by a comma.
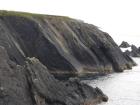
[(124, 45), (135, 52), (34, 85), (14, 88), (66, 46)]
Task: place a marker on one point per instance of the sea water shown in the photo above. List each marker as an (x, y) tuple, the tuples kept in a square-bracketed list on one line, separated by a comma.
[(121, 88)]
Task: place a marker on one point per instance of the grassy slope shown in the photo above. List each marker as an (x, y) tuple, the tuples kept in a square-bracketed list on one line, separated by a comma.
[(30, 15)]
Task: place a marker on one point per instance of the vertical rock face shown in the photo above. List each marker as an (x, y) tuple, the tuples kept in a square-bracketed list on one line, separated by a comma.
[(64, 45), (34, 85)]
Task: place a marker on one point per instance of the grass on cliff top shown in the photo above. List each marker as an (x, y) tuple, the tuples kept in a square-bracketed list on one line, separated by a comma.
[(29, 15)]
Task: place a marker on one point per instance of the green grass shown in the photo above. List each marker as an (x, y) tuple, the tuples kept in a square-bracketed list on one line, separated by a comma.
[(29, 15)]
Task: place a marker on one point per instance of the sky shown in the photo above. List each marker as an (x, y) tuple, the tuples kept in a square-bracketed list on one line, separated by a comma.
[(120, 18)]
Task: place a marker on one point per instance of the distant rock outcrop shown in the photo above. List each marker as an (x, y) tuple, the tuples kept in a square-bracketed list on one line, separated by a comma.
[(135, 51), (124, 45), (68, 47), (34, 85)]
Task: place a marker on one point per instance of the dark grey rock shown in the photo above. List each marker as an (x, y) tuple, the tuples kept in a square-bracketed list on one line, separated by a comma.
[(34, 85), (14, 88), (124, 45), (71, 92), (68, 47), (135, 52), (127, 54)]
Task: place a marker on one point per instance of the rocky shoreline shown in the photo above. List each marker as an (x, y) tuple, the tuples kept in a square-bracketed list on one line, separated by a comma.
[(54, 47), (34, 85)]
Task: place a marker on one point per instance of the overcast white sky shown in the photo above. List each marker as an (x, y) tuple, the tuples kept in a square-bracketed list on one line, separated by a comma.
[(117, 17)]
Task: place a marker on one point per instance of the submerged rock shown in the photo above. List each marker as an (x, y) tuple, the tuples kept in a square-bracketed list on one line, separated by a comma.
[(124, 45), (34, 85), (68, 47)]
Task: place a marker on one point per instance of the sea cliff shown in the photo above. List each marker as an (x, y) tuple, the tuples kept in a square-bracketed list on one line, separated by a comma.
[(66, 46), (36, 50)]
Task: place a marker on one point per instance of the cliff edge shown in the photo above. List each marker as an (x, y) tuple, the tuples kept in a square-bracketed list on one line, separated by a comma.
[(66, 46)]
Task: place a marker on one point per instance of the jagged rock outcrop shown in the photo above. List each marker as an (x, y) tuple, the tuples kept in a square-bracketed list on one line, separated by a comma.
[(66, 46), (134, 52), (34, 85), (124, 45)]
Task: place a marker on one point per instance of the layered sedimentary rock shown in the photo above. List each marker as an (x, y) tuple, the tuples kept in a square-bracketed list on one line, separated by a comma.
[(64, 45), (34, 85)]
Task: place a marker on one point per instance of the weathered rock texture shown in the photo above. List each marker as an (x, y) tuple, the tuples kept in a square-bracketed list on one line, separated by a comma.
[(34, 85), (124, 45), (64, 45)]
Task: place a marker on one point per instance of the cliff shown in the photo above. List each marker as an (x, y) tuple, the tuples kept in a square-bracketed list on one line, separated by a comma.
[(66, 46), (34, 85)]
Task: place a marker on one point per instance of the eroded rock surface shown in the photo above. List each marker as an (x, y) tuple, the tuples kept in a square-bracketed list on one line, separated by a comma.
[(66, 46), (14, 88), (34, 85)]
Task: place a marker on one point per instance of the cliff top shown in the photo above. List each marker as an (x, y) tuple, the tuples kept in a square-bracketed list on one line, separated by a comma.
[(30, 15)]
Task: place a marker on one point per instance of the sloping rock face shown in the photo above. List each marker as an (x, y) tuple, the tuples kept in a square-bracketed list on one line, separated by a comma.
[(14, 88), (135, 52), (124, 45), (34, 85), (64, 45)]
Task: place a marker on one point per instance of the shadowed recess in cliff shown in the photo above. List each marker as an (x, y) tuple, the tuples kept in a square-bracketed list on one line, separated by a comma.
[(64, 45)]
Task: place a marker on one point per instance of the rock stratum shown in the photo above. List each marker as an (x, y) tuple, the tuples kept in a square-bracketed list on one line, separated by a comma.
[(34, 85), (36, 49), (66, 46)]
